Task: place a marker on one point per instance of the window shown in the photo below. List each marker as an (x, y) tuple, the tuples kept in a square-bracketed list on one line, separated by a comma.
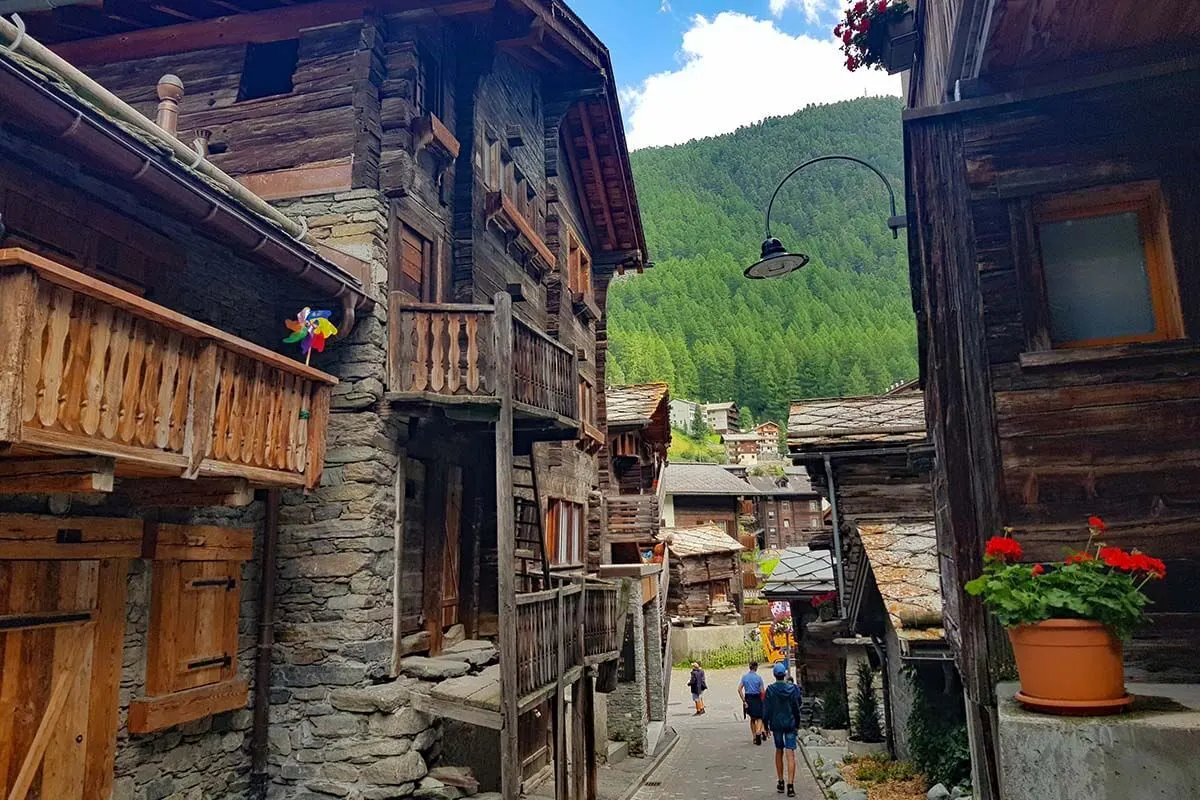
[(587, 402), (814, 505), (787, 505), (771, 514), (579, 267), (268, 69), (493, 173), (429, 94), (787, 523), (415, 272), (1106, 268), (564, 533)]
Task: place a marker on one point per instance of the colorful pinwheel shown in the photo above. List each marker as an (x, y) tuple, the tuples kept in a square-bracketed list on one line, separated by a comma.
[(311, 329)]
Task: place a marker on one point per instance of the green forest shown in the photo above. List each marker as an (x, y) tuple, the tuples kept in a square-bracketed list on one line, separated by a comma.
[(841, 326)]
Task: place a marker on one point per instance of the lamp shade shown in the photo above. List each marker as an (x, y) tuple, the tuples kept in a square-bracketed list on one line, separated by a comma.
[(776, 261)]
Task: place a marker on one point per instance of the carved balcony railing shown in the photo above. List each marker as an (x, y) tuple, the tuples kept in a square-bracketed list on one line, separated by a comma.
[(88, 368), (450, 354)]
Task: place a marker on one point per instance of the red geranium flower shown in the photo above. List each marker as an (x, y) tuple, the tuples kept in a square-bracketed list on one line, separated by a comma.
[(1152, 567), (1003, 548), (1038, 569), (1097, 524), (1078, 558), (864, 24), (837, 31), (851, 63), (1117, 558), (883, 4), (847, 35), (860, 6)]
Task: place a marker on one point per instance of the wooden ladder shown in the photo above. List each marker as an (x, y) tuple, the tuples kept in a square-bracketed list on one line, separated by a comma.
[(529, 530)]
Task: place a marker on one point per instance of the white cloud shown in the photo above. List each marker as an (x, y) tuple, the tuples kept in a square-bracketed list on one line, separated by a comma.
[(664, 6), (736, 70), (813, 9)]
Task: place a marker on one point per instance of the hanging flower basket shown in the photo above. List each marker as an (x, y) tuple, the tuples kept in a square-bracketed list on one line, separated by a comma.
[(879, 34), (1067, 619)]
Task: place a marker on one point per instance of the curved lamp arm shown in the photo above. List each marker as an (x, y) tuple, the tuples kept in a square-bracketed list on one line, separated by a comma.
[(894, 222)]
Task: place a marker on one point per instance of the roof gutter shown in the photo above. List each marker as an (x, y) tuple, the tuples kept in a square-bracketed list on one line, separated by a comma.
[(265, 233)]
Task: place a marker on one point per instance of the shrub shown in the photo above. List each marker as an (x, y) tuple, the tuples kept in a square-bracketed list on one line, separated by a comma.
[(877, 768), (866, 726), (937, 735), (728, 656), (835, 714)]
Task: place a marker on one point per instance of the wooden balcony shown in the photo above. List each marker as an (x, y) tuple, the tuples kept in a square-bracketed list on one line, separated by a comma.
[(632, 517), (87, 368), (451, 355)]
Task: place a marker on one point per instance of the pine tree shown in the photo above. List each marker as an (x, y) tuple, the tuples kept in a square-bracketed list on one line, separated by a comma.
[(700, 427), (866, 726)]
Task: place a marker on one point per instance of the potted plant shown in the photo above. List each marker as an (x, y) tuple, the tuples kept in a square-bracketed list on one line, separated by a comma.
[(1067, 619), (823, 603), (866, 734), (881, 34)]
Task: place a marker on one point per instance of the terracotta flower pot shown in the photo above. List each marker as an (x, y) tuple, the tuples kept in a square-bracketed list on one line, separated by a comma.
[(1069, 666)]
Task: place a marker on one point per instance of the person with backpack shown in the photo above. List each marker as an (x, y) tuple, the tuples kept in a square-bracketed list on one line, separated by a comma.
[(698, 686), (781, 714)]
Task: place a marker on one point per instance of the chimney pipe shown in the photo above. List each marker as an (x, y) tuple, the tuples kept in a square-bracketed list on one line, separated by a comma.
[(170, 92)]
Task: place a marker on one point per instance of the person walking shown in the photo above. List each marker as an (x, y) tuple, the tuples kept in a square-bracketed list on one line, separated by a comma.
[(698, 686), (781, 713), (751, 689)]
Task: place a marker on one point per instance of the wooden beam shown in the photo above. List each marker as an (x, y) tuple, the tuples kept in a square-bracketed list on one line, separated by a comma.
[(510, 754), (398, 503), (147, 714), (180, 493), (589, 138), (273, 25), (30, 536), (61, 475), (17, 298), (320, 177), (197, 543)]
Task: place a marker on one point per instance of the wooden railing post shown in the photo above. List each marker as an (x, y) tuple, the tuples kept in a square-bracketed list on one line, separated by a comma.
[(561, 790), (510, 755), (202, 403), (18, 290)]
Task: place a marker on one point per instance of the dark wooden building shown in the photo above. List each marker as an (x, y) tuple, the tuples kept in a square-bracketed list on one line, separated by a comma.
[(699, 494), (466, 161), (705, 572), (787, 510), (1051, 168), (639, 435)]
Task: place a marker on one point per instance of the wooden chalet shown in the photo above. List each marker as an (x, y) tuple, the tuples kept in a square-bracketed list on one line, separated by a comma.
[(1053, 212), (454, 173), (705, 572), (701, 494), (143, 401), (639, 435), (869, 457), (787, 510)]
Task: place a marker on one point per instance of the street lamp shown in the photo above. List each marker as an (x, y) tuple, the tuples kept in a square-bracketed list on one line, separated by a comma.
[(776, 261)]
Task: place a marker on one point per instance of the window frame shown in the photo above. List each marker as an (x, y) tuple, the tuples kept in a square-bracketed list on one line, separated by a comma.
[(429, 92), (408, 216), (1145, 199)]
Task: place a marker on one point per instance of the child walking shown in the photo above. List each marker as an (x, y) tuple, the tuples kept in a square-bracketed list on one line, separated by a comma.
[(698, 686)]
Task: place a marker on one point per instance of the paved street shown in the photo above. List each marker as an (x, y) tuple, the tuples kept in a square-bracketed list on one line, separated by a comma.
[(715, 758)]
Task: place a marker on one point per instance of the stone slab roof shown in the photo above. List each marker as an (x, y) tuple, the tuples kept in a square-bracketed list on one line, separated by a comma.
[(801, 571), (682, 478), (904, 561), (631, 405), (849, 421), (794, 482), (699, 541)]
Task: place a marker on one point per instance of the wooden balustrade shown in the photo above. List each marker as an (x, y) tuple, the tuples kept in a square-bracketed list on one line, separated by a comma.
[(545, 374), (538, 640), (90, 368), (633, 517), (439, 350), (601, 613)]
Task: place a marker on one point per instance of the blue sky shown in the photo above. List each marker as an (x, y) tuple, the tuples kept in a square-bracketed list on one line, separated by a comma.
[(689, 68)]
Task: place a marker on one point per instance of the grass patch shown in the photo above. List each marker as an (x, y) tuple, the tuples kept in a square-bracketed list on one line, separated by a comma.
[(767, 566), (884, 778), (727, 656)]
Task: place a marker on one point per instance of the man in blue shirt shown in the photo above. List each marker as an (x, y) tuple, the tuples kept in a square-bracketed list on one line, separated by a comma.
[(781, 713), (751, 689)]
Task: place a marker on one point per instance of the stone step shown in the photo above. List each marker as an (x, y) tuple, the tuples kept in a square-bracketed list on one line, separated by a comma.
[(617, 752)]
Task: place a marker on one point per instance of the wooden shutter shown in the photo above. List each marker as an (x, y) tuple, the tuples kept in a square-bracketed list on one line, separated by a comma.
[(192, 641), (414, 271), (60, 672)]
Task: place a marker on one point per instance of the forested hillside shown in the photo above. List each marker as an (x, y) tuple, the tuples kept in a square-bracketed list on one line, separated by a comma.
[(841, 326)]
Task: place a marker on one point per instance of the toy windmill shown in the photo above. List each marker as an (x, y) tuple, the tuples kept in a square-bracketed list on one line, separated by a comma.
[(310, 328)]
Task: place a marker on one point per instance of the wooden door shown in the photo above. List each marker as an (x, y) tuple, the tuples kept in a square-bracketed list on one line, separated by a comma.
[(61, 631), (452, 561)]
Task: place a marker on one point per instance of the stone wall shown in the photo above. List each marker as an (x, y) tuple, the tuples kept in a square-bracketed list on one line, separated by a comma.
[(627, 712), (900, 695), (656, 697)]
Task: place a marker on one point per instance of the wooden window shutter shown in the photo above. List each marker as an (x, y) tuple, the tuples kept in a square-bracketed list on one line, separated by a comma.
[(413, 277), (192, 641)]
